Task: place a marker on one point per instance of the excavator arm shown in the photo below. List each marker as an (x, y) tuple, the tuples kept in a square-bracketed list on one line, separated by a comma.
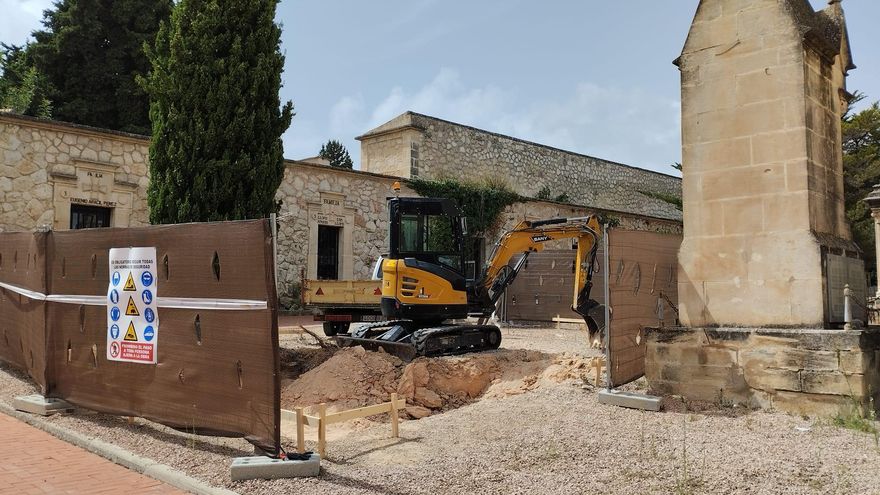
[(530, 237)]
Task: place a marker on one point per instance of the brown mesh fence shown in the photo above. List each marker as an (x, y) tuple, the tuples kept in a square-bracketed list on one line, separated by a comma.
[(22, 318), (217, 370), (544, 287), (642, 279)]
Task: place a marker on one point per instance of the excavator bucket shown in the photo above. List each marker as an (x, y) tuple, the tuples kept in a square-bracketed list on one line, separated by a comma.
[(403, 350), (593, 313)]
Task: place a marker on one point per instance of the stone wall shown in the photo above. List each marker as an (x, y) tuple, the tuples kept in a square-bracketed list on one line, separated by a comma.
[(762, 176), (415, 145), (809, 372), (313, 195), (47, 166), (538, 210)]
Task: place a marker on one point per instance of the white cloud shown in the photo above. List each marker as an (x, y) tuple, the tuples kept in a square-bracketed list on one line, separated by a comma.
[(444, 96), (621, 124), (20, 17), (344, 113)]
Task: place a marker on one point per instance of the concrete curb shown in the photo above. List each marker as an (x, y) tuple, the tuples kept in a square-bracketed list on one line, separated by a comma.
[(120, 456)]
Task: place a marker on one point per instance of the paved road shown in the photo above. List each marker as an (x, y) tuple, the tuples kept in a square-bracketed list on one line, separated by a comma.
[(34, 462)]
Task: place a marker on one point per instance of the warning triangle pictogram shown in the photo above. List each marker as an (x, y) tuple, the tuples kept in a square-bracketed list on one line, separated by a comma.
[(131, 335), (319, 292), (129, 284), (131, 309)]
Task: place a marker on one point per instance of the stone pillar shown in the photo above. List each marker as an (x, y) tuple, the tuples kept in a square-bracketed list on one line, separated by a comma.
[(763, 84), (767, 250)]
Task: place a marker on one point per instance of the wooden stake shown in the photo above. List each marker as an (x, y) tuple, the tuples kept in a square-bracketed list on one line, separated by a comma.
[(322, 429), (300, 431), (394, 417)]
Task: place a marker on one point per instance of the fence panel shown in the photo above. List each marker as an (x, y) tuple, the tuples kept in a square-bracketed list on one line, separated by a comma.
[(217, 370), (544, 288), (642, 276), (23, 318)]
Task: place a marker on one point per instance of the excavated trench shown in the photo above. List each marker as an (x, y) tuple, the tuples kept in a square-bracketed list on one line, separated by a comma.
[(353, 377)]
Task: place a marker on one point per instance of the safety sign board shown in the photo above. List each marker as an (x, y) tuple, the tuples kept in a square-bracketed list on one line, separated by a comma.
[(132, 313)]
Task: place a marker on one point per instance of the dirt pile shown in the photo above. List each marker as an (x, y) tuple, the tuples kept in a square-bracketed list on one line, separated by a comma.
[(447, 383), (353, 377)]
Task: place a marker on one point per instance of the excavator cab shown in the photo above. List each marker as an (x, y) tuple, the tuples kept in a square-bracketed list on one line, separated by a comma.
[(423, 275)]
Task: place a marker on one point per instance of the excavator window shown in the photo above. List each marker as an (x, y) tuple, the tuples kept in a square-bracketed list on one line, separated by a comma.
[(428, 230), (431, 236)]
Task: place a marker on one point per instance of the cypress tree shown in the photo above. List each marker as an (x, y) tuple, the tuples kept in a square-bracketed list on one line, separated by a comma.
[(91, 52), (216, 151)]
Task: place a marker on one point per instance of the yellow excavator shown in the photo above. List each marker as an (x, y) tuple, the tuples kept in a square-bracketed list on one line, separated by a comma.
[(426, 297)]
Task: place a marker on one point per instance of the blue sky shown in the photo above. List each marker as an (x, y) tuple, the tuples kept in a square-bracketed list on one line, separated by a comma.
[(595, 77)]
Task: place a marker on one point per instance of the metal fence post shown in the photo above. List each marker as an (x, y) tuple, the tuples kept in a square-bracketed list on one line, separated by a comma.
[(605, 269), (273, 219)]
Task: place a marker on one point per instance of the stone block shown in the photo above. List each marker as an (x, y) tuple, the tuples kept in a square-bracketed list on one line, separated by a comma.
[(711, 33), (742, 216), (710, 356), (785, 211), (37, 404), (262, 467), (768, 84), (789, 358), (717, 155), (833, 383), (768, 379), (815, 405), (820, 339), (856, 361), (630, 400), (780, 146)]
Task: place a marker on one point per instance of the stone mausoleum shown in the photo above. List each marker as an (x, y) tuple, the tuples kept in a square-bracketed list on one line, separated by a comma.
[(766, 249), (333, 222)]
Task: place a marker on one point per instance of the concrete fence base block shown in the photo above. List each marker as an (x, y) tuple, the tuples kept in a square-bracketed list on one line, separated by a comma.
[(248, 468), (629, 399), (37, 404)]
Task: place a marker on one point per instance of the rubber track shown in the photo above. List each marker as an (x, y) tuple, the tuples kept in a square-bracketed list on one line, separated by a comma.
[(362, 331), (421, 338)]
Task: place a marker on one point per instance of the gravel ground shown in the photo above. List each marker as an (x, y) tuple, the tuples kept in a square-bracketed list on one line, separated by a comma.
[(556, 439)]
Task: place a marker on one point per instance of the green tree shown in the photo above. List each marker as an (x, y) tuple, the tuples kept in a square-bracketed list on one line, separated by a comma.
[(91, 52), (216, 151), (23, 89), (336, 154), (861, 171)]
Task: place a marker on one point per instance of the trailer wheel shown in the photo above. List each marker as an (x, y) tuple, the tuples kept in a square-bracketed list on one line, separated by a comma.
[(333, 328)]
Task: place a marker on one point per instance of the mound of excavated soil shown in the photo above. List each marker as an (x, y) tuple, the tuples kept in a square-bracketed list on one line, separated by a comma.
[(352, 377), (355, 377)]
